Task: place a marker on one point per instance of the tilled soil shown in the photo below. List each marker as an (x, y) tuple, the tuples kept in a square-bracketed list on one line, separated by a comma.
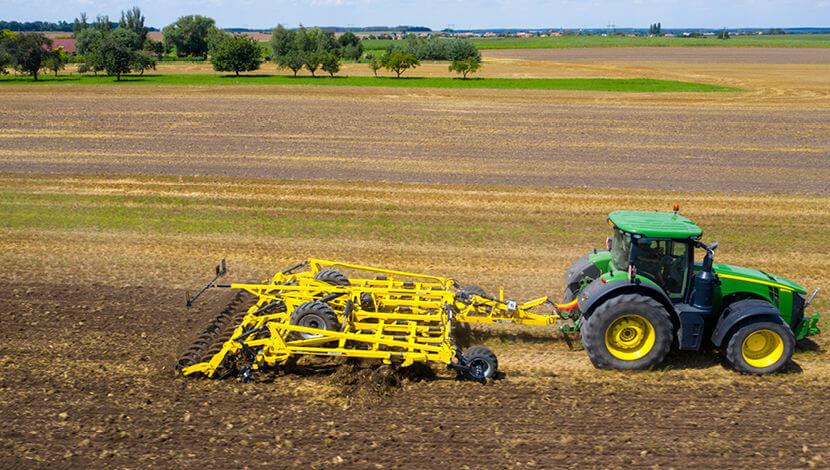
[(688, 55), (528, 139), (88, 380)]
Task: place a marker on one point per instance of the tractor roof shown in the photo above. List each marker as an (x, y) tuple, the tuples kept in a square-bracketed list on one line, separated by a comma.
[(655, 224)]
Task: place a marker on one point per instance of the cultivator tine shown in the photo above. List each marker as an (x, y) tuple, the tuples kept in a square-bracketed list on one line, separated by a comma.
[(297, 266), (213, 337), (221, 271)]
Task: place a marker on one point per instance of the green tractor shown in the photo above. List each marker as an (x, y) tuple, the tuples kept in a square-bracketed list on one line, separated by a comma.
[(646, 294)]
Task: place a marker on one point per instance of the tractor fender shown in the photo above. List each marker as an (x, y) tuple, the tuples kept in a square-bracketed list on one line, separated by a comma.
[(739, 312), (582, 268), (598, 291)]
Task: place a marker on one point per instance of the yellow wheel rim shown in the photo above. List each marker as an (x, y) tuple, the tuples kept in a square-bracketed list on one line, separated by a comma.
[(629, 337), (762, 348)]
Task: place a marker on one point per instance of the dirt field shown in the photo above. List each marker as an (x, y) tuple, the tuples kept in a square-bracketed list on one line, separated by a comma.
[(114, 201), (725, 55)]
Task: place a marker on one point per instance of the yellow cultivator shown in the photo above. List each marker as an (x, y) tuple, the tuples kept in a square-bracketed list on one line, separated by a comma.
[(397, 317)]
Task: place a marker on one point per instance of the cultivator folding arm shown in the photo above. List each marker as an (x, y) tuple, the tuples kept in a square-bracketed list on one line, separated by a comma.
[(397, 317)]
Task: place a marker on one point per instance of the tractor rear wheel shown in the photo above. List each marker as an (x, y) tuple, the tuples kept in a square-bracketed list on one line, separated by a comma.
[(760, 347), (481, 363), (333, 277), (628, 332), (314, 314)]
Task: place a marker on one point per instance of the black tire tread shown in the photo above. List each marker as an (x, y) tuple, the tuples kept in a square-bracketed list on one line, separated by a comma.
[(333, 277), (593, 340), (733, 354), (322, 309), (479, 351)]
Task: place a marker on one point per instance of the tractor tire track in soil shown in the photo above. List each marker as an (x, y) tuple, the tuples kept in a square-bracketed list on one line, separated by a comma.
[(92, 383)]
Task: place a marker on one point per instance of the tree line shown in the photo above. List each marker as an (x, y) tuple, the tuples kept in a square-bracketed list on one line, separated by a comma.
[(29, 53), (123, 47)]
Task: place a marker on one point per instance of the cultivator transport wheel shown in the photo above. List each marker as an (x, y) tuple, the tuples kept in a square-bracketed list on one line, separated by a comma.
[(480, 362), (760, 348), (314, 314), (630, 332), (333, 277)]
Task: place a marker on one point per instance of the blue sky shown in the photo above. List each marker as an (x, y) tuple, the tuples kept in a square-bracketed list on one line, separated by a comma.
[(441, 14)]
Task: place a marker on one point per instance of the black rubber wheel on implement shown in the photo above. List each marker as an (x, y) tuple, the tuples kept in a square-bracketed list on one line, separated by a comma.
[(481, 363), (333, 277), (628, 332), (314, 314), (472, 289), (761, 347)]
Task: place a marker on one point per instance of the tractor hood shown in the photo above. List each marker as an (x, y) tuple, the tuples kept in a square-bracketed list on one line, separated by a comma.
[(738, 273)]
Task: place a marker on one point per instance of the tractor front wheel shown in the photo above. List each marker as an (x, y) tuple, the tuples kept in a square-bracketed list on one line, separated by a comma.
[(629, 332), (760, 348)]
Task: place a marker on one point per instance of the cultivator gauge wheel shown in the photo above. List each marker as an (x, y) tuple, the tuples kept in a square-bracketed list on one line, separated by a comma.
[(314, 308)]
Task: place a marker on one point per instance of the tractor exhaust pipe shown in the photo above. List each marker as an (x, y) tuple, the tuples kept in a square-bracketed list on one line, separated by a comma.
[(704, 285)]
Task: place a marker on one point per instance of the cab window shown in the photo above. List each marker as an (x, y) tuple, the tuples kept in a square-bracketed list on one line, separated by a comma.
[(620, 249), (665, 262)]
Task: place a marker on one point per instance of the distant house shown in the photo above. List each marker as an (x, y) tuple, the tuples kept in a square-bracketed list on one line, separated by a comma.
[(68, 45)]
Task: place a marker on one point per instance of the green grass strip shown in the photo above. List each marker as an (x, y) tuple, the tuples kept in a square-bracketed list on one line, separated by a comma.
[(635, 85)]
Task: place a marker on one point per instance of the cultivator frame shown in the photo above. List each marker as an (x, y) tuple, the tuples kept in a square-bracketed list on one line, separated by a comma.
[(394, 316)]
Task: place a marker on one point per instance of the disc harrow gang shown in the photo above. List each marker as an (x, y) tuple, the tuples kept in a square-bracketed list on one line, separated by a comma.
[(325, 308)]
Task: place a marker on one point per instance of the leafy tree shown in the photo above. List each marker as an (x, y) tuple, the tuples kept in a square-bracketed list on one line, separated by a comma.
[(461, 49), (465, 66), (330, 63), (436, 48), (189, 35), (293, 60), (312, 60), (236, 53), (133, 20), (353, 52), (30, 51), (305, 47), (143, 60), (102, 23), (282, 41), (154, 47), (56, 60), (348, 39), (723, 34), (85, 38), (80, 24), (116, 53), (7, 42), (375, 65), (399, 62)]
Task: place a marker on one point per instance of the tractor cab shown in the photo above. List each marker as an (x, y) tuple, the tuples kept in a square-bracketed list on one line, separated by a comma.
[(658, 246)]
